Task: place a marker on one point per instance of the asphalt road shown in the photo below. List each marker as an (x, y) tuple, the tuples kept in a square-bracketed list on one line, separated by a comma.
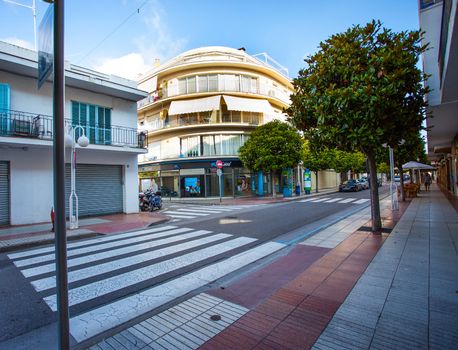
[(270, 222), (105, 273)]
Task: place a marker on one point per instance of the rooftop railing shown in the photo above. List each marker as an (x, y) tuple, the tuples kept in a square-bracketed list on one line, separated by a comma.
[(39, 126)]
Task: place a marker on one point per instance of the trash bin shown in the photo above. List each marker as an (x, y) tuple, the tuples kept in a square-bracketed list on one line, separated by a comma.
[(298, 190)]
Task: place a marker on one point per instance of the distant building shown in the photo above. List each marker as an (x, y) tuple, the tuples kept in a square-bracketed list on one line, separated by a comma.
[(439, 21), (201, 107), (105, 106)]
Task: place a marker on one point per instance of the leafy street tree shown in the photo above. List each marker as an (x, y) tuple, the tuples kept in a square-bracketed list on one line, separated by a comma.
[(317, 159), (272, 147), (360, 90), (345, 161), (413, 148)]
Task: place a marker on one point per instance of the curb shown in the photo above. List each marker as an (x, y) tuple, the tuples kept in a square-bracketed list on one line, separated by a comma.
[(38, 242)]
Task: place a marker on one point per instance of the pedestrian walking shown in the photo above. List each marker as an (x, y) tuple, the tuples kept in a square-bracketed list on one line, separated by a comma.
[(427, 182)]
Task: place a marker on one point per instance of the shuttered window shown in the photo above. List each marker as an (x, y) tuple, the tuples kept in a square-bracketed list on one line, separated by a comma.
[(4, 107), (96, 121)]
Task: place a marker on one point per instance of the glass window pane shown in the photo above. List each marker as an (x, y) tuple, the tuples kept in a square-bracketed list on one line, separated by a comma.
[(236, 116), (213, 82), (246, 81), (182, 86), (203, 83), (191, 85)]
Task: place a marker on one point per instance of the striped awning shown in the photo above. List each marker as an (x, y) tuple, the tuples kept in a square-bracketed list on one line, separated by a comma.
[(195, 105), (248, 105)]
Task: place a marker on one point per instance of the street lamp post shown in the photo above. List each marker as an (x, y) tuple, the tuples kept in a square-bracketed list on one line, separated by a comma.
[(393, 187), (82, 141)]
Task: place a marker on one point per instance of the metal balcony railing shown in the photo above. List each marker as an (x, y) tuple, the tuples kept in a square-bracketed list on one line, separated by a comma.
[(30, 125)]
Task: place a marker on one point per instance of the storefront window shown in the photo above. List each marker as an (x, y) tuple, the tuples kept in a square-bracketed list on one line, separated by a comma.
[(191, 186)]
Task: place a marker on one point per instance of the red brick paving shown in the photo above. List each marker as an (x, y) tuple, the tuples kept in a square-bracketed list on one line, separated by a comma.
[(256, 287), (295, 315)]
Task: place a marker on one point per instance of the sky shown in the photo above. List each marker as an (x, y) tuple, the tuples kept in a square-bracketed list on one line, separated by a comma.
[(124, 37)]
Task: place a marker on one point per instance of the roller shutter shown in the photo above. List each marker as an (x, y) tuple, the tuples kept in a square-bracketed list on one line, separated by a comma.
[(99, 189), (4, 193)]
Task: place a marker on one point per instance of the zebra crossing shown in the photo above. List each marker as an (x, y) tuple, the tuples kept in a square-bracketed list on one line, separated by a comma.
[(114, 279), (178, 213), (335, 200)]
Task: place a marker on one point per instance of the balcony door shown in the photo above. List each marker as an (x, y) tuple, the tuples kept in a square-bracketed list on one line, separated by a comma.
[(95, 120), (4, 108)]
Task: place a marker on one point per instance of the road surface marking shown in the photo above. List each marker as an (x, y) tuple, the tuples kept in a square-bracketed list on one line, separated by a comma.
[(103, 318)]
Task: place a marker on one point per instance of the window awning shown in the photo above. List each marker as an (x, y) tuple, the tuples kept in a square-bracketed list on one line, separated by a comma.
[(195, 105), (248, 105)]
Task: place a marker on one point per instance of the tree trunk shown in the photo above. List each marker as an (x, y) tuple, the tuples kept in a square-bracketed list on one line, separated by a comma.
[(316, 178), (272, 181), (375, 204)]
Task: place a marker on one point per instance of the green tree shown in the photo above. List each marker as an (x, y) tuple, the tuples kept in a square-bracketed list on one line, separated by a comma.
[(360, 90), (316, 159), (345, 161), (272, 147), (412, 148)]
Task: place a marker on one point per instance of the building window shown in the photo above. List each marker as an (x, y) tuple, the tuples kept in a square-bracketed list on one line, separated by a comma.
[(187, 85), (211, 145), (190, 146), (95, 120), (215, 82)]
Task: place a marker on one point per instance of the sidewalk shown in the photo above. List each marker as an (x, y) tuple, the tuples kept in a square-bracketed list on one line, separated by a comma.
[(342, 288), (24, 236)]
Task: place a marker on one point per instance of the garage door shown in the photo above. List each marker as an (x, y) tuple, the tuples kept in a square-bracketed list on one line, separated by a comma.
[(99, 189), (4, 193)]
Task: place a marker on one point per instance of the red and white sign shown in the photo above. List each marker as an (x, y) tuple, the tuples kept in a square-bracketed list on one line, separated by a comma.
[(219, 164)]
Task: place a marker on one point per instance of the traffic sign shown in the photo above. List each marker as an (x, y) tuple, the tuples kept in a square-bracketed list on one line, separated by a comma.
[(219, 164), (219, 172)]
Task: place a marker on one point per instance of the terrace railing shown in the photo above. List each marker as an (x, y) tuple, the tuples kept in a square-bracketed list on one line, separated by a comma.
[(23, 124)]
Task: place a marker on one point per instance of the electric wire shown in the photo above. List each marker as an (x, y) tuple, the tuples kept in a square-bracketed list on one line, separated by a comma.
[(137, 11)]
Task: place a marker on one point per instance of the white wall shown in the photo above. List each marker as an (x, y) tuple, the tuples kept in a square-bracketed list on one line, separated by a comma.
[(31, 179), (31, 184), (430, 22)]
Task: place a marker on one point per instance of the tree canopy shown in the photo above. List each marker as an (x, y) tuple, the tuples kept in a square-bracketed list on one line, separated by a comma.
[(360, 90), (272, 146)]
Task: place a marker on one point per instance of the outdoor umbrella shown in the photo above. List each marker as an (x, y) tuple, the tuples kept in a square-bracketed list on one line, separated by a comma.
[(417, 165)]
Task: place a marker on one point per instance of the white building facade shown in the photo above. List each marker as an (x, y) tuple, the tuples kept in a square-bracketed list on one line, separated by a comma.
[(104, 106), (439, 21), (201, 107)]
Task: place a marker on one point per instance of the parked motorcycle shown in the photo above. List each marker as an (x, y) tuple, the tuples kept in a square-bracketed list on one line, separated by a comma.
[(149, 200)]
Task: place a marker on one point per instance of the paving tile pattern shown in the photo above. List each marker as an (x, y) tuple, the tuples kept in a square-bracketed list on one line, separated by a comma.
[(407, 298), (296, 314), (184, 326)]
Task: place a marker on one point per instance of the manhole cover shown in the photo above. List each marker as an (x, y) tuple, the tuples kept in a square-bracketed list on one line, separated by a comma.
[(215, 317)]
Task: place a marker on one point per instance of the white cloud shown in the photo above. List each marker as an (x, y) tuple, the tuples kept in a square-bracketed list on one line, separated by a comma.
[(19, 42), (155, 43), (129, 66)]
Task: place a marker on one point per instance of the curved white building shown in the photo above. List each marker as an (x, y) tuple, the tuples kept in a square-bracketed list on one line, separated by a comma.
[(201, 107)]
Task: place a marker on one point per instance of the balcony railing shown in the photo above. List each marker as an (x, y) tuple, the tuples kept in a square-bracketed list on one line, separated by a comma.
[(24, 124), (261, 89)]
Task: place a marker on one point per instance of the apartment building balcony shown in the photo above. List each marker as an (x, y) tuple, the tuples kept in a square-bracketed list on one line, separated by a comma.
[(274, 94), (24, 128)]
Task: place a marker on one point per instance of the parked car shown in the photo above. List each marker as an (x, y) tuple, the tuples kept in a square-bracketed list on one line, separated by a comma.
[(364, 183), (397, 178), (350, 186)]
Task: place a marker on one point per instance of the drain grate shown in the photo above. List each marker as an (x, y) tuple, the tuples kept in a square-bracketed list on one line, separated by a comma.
[(369, 229)]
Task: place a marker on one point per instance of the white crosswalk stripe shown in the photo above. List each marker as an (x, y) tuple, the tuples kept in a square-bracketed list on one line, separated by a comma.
[(177, 212), (363, 200), (341, 200), (334, 200), (107, 270)]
